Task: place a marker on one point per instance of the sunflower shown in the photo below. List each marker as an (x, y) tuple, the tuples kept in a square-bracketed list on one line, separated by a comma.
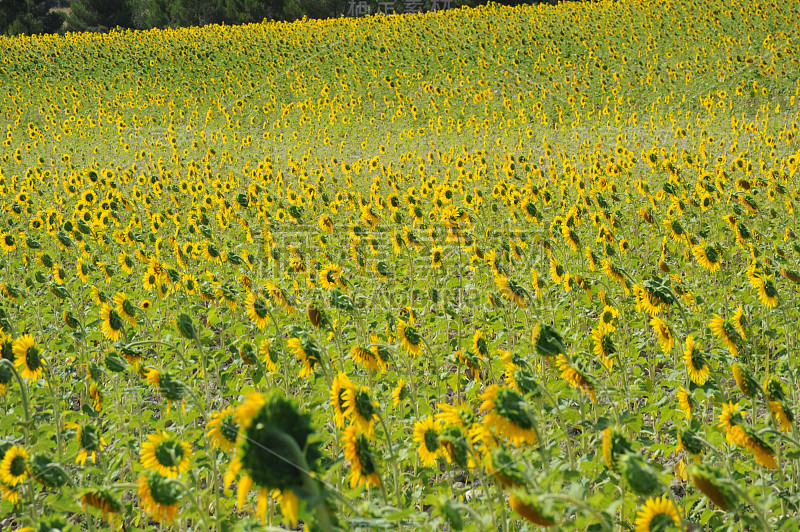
[(164, 454), (576, 376), (111, 322), (686, 402), (604, 347), (366, 358), (695, 362), (664, 334), (90, 442), (14, 466), (399, 392), (103, 500), (273, 443), (437, 254), (10, 494), (82, 270), (614, 445), (339, 387), (359, 407), (270, 355), (8, 242), (306, 352), (330, 276), (160, 496), (27, 357), (708, 481), (729, 421), (278, 296), (223, 429), (325, 223), (426, 434), (257, 310), (125, 262), (363, 466), (725, 331), (125, 308), (707, 256), (773, 390), (657, 515), (150, 280), (527, 507), (409, 337), (511, 290), (479, 344), (608, 319), (189, 284), (744, 380), (767, 292), (509, 414)]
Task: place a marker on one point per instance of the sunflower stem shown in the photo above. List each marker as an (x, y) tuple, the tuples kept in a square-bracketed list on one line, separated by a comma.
[(24, 394), (395, 469)]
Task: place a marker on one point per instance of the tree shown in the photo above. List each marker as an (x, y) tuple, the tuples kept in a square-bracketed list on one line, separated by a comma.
[(28, 17), (99, 15)]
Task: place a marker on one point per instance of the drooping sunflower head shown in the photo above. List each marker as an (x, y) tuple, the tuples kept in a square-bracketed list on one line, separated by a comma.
[(547, 341), (509, 414), (615, 444), (695, 362), (529, 507), (160, 496), (710, 482), (272, 433), (104, 500)]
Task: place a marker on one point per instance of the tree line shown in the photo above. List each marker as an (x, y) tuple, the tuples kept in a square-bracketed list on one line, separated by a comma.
[(58, 16)]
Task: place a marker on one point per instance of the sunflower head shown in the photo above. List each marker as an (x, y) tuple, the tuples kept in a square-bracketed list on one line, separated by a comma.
[(274, 438), (547, 341), (710, 482), (529, 507)]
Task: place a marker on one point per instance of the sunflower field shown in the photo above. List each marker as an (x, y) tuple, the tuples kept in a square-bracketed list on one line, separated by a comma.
[(483, 269)]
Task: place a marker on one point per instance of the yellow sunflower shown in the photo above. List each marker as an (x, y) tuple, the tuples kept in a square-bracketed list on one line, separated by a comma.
[(257, 310), (27, 357), (695, 362), (363, 465), (223, 429), (14, 466), (426, 434), (163, 453), (509, 414), (339, 387), (111, 322), (657, 514), (160, 496)]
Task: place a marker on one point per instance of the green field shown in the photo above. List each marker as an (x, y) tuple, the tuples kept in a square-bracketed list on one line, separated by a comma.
[(482, 269)]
